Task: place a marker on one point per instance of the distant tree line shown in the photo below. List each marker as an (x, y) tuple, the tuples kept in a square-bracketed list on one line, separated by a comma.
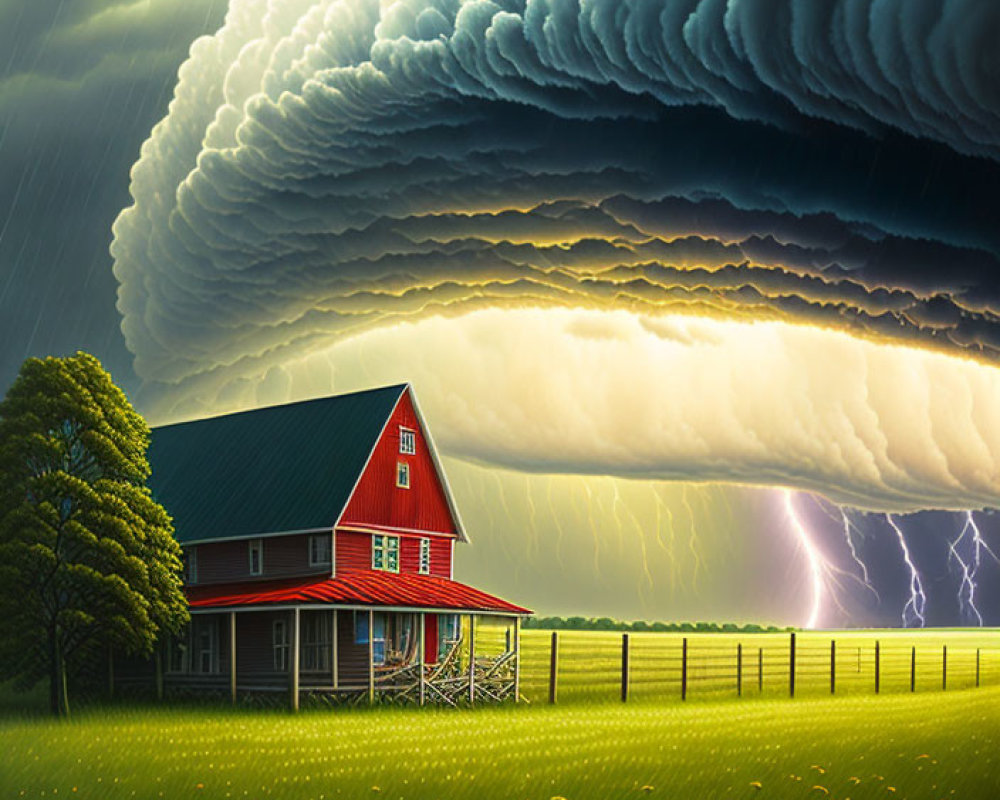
[(608, 624)]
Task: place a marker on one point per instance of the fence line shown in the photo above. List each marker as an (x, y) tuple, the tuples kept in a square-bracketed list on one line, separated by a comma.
[(581, 665)]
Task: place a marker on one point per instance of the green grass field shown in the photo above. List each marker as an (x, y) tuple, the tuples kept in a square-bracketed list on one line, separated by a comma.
[(900, 746), (930, 744)]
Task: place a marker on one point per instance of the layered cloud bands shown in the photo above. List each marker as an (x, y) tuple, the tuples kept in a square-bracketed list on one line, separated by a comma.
[(330, 172)]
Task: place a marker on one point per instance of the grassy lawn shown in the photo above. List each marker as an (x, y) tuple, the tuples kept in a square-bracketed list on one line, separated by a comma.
[(932, 745)]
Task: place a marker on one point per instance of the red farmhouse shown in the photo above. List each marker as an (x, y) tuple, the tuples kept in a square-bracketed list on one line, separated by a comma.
[(318, 540)]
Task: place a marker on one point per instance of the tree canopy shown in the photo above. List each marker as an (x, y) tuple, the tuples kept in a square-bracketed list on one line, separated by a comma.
[(88, 560)]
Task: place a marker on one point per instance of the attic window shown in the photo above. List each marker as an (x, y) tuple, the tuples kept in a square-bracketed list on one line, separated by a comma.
[(425, 557), (191, 565), (407, 441), (402, 475)]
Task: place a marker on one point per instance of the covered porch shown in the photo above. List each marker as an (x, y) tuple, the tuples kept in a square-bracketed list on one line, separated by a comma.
[(298, 642)]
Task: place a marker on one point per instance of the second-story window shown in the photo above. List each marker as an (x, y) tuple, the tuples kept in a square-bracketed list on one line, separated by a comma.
[(191, 565), (320, 548), (256, 557), (385, 553), (403, 475), (407, 441), (425, 556)]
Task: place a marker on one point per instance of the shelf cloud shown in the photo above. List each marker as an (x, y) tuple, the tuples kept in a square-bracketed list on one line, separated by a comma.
[(721, 202)]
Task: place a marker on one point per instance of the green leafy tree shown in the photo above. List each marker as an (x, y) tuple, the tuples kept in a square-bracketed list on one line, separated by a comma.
[(88, 560)]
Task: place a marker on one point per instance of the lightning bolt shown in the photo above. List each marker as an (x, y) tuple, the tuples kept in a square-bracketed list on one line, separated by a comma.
[(813, 556), (970, 568), (918, 600)]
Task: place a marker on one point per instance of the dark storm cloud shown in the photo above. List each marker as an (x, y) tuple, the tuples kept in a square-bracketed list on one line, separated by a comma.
[(81, 84)]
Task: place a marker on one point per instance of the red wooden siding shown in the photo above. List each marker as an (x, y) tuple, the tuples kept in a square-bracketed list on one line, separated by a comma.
[(378, 502), (354, 553), (430, 638), (284, 556)]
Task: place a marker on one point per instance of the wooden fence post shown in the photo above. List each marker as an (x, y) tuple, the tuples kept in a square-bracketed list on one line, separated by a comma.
[(472, 659), (878, 666), (791, 666), (517, 659), (625, 668), (944, 668), (833, 666), (684, 669), (739, 669), (334, 666), (760, 670), (913, 669), (977, 667), (554, 667)]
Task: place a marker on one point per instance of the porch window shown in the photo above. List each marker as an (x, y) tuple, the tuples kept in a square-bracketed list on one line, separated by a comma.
[(385, 553), (207, 647), (177, 653), (320, 550), (281, 645), (425, 556), (191, 565), (402, 475), (256, 557), (407, 441), (378, 634), (449, 632), (316, 641)]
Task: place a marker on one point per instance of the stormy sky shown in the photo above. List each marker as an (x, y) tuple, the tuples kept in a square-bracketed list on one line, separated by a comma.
[(641, 261)]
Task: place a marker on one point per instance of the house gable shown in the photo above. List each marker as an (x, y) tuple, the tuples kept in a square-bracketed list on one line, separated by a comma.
[(379, 503)]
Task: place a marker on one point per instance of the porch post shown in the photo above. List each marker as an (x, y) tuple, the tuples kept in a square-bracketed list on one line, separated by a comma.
[(232, 657), (420, 661), (472, 659), (371, 656), (295, 660), (333, 654), (517, 659)]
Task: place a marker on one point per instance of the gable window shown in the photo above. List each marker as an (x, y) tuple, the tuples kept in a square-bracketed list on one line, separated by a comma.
[(402, 475), (320, 548), (191, 565), (407, 441), (280, 644), (425, 556), (256, 557), (385, 553)]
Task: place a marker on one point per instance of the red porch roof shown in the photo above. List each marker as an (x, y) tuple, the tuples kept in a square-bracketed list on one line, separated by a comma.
[(370, 588)]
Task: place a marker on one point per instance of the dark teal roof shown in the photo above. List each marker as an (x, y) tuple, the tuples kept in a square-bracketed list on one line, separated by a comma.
[(281, 468)]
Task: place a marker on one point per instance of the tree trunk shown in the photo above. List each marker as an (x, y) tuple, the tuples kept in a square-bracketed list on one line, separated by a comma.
[(54, 679), (65, 692)]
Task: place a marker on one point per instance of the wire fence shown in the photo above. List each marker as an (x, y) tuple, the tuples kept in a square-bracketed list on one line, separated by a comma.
[(590, 666)]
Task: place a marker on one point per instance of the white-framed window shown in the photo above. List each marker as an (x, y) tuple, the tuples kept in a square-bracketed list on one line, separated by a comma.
[(256, 551), (316, 640), (402, 475), (425, 556), (449, 632), (385, 553), (281, 644), (191, 565), (320, 549), (407, 441)]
